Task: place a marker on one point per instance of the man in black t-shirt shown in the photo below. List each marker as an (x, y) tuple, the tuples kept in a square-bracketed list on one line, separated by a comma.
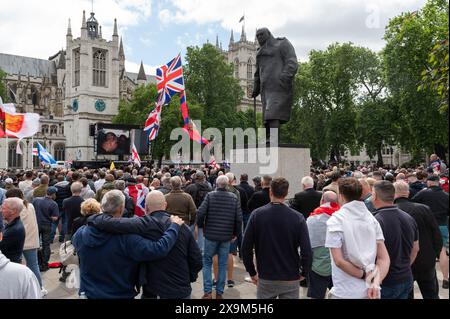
[(401, 237), (72, 206)]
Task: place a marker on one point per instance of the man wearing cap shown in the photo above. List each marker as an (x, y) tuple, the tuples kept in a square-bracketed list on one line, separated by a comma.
[(9, 184), (46, 213), (41, 190), (434, 197)]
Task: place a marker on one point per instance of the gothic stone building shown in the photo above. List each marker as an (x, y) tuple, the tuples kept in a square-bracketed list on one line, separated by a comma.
[(73, 89), (242, 55)]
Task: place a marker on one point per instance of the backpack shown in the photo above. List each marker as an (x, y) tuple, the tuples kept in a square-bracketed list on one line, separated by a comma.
[(200, 194)]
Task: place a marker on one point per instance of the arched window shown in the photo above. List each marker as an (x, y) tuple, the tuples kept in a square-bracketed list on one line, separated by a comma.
[(236, 69), (44, 129), (53, 130), (76, 69), (249, 69), (99, 68), (60, 152), (14, 159)]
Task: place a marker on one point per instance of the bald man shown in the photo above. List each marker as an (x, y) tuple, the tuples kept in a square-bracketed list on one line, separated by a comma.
[(171, 276), (319, 279), (430, 242), (14, 233)]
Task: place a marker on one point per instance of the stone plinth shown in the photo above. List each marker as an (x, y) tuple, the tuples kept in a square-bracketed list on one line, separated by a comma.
[(289, 161)]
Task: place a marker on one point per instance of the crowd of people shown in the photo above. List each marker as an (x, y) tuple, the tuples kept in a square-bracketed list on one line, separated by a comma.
[(351, 233)]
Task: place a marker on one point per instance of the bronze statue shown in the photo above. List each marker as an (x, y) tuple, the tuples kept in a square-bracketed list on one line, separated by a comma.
[(276, 65)]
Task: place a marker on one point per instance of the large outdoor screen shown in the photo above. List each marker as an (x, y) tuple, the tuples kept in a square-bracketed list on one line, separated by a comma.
[(117, 139)]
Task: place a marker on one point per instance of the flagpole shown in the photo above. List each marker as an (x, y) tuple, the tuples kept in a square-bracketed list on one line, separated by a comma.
[(7, 151), (32, 146)]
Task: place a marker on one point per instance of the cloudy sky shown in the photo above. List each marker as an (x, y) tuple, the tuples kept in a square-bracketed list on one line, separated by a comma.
[(156, 30)]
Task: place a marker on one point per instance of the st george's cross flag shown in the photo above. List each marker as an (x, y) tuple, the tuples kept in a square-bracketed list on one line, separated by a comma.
[(44, 155), (135, 156)]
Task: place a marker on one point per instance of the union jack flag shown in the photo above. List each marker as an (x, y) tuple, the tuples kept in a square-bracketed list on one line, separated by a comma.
[(169, 80), (152, 122)]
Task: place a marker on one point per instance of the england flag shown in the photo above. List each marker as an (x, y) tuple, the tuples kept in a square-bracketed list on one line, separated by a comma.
[(45, 156), (135, 156)]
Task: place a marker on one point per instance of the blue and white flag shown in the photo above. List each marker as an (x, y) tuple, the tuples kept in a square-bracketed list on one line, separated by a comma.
[(45, 156)]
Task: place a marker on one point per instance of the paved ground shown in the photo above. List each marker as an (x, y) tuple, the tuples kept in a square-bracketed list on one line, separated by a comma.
[(242, 289)]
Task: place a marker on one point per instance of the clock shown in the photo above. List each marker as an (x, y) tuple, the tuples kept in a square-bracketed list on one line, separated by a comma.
[(100, 105), (75, 105)]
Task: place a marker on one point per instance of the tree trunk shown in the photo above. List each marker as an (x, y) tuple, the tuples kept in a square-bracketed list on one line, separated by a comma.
[(380, 156)]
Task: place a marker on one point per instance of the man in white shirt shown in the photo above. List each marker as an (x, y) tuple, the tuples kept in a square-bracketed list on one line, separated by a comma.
[(99, 183), (26, 183), (360, 260)]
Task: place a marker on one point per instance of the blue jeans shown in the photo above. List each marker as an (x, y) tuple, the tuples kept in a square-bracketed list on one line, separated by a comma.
[(201, 240), (62, 219), (399, 291), (215, 248), (32, 263)]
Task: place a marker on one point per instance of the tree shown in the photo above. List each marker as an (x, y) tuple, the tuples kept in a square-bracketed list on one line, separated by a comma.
[(136, 111), (410, 38), (210, 83), (435, 74), (3, 90)]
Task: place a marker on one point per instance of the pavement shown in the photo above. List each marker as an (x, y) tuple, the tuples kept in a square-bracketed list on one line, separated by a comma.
[(241, 290)]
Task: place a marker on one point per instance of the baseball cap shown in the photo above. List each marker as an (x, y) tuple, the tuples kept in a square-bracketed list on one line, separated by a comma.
[(52, 190), (433, 178), (9, 181), (199, 174)]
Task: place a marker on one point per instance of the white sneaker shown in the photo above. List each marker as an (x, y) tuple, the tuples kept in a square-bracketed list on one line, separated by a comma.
[(44, 292), (248, 279)]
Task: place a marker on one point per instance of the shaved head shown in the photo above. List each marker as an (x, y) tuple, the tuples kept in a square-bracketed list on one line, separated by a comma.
[(401, 189), (155, 201), (329, 197)]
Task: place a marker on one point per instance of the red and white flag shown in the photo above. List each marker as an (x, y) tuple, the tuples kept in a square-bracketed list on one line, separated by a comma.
[(135, 156), (212, 162)]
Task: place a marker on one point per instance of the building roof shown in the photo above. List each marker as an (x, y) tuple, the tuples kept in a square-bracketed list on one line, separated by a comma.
[(134, 77), (16, 64), (141, 74)]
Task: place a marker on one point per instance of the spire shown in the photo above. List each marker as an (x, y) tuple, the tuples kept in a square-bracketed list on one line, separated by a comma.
[(141, 75), (121, 52), (62, 60), (69, 29), (243, 36), (115, 28), (231, 37), (83, 23), (217, 41)]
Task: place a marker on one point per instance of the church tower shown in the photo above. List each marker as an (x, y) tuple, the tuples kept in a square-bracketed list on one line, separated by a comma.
[(242, 55), (92, 85)]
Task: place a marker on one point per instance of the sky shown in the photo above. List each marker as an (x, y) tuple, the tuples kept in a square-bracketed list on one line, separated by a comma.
[(155, 31)]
